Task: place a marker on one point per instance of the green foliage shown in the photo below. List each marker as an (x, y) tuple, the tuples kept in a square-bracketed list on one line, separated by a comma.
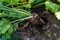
[(37, 3), (5, 25), (10, 1), (13, 12), (52, 6), (10, 18)]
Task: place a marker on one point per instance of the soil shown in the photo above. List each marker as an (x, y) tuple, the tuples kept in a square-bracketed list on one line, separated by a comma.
[(43, 26)]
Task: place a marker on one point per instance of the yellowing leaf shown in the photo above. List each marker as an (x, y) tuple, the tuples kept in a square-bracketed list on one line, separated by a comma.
[(31, 1), (58, 0), (57, 14), (0, 14), (23, 0)]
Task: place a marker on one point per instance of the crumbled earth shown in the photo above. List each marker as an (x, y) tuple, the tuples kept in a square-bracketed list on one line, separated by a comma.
[(42, 26)]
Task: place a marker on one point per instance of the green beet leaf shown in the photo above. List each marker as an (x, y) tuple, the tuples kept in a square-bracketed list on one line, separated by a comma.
[(51, 6), (5, 26)]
